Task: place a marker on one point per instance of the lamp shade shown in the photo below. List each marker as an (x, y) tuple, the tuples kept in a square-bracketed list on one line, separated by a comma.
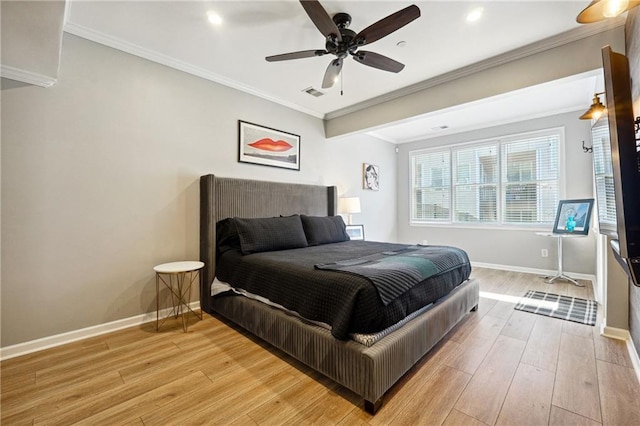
[(349, 205), (603, 9), (595, 110)]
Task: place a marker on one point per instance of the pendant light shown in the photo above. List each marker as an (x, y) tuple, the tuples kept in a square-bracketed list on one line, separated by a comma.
[(603, 9), (595, 110)]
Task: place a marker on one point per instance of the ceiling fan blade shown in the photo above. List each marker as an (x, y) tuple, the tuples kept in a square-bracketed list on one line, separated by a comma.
[(377, 60), (321, 18), (387, 25), (296, 55), (332, 73)]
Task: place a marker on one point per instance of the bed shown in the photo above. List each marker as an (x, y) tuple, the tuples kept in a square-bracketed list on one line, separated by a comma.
[(368, 370)]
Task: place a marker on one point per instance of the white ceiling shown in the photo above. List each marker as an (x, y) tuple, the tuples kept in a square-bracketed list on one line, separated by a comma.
[(178, 34), (556, 97)]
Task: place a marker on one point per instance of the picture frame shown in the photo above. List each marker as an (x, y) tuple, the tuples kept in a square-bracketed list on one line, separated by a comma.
[(266, 146), (370, 177), (579, 210), (355, 232)]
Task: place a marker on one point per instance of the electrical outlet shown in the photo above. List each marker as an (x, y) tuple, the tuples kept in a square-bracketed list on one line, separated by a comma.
[(425, 243), (544, 253)]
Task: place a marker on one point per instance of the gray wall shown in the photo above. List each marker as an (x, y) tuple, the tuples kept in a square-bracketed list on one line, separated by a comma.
[(378, 207), (100, 182), (502, 246), (632, 32)]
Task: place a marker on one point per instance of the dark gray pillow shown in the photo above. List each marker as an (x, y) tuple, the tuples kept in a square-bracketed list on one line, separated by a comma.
[(324, 229), (226, 236), (269, 234)]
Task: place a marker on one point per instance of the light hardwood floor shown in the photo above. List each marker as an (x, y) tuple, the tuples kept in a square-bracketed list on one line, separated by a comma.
[(499, 366)]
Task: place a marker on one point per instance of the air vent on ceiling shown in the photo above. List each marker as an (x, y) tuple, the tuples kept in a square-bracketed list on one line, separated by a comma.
[(313, 92)]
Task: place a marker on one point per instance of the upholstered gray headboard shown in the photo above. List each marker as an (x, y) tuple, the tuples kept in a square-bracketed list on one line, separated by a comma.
[(221, 198)]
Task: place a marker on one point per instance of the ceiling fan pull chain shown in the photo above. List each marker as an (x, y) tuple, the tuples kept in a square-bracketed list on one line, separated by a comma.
[(341, 83)]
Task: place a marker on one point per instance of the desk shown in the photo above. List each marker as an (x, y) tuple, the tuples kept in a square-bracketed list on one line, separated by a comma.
[(560, 275), (180, 288)]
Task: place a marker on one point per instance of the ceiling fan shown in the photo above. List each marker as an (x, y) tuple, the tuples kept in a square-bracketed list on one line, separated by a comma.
[(342, 42)]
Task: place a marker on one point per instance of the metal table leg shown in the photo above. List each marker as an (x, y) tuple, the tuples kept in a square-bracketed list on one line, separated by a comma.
[(560, 274)]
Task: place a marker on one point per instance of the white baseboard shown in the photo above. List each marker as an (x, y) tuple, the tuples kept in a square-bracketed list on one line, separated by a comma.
[(621, 334), (618, 333), (541, 272), (614, 333), (84, 333)]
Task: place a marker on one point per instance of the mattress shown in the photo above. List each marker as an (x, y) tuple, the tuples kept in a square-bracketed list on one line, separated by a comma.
[(218, 287), (348, 303)]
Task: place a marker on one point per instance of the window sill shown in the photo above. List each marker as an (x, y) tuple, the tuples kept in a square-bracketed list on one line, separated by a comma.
[(488, 227)]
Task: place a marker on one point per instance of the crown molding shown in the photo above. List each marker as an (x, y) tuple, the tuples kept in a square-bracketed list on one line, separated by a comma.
[(134, 49), (531, 49), (561, 39), (25, 76)]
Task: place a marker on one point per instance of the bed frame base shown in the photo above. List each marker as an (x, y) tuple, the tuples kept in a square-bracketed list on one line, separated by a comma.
[(367, 371), (372, 407)]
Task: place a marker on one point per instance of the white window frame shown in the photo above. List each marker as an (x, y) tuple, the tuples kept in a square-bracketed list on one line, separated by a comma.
[(500, 140)]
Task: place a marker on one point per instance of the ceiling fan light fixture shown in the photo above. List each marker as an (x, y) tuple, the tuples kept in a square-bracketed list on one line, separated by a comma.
[(596, 109), (603, 9)]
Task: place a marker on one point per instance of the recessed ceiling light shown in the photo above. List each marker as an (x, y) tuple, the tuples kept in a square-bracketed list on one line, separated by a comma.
[(475, 14), (401, 43), (214, 18)]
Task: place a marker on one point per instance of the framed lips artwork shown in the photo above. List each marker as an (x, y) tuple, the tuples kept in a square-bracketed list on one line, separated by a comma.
[(268, 147)]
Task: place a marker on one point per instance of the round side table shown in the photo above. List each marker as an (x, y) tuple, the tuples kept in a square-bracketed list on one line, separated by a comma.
[(181, 276)]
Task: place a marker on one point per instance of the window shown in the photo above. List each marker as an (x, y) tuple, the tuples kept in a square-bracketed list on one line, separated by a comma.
[(475, 190), (603, 173), (432, 193), (530, 180), (513, 180)]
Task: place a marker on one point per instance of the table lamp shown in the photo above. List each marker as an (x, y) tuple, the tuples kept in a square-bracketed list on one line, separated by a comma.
[(349, 206)]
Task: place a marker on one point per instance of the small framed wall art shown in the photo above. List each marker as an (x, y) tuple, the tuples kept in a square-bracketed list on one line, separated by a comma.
[(370, 177), (268, 147), (355, 232)]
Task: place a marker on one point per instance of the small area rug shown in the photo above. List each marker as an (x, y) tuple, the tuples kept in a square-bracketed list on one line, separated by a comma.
[(557, 306)]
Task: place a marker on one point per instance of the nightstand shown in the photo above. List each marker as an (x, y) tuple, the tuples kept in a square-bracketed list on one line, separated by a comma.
[(181, 276)]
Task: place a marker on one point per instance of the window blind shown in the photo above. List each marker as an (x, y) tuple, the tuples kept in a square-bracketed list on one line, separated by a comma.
[(476, 184), (603, 173), (431, 186), (530, 184)]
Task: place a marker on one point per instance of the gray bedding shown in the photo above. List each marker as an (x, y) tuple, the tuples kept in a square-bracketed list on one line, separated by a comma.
[(349, 303)]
